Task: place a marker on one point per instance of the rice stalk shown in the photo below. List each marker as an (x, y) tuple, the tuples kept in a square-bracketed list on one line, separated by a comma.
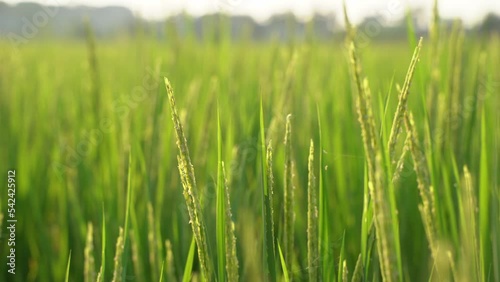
[(231, 256), (470, 262), (169, 262), (312, 219), (442, 266), (267, 210), (453, 268), (270, 185), (289, 215), (89, 265), (118, 267), (369, 118), (153, 251), (402, 105), (365, 115), (345, 272), (383, 225), (136, 255), (387, 242), (427, 207), (186, 171), (357, 275), (401, 162), (367, 231)]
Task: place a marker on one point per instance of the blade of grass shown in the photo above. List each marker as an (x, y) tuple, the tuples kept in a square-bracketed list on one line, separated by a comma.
[(341, 274), (127, 218), (68, 267), (383, 123), (283, 265), (188, 268), (162, 271), (100, 275), (495, 207)]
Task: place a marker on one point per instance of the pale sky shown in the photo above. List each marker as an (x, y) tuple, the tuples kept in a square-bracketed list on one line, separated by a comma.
[(470, 11)]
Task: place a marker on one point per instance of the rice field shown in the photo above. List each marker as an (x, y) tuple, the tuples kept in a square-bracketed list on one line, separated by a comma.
[(232, 160)]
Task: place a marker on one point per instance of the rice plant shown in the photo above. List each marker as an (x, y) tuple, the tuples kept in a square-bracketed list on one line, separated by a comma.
[(346, 159), (186, 171)]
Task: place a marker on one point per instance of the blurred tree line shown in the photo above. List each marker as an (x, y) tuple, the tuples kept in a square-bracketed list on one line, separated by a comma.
[(25, 20)]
